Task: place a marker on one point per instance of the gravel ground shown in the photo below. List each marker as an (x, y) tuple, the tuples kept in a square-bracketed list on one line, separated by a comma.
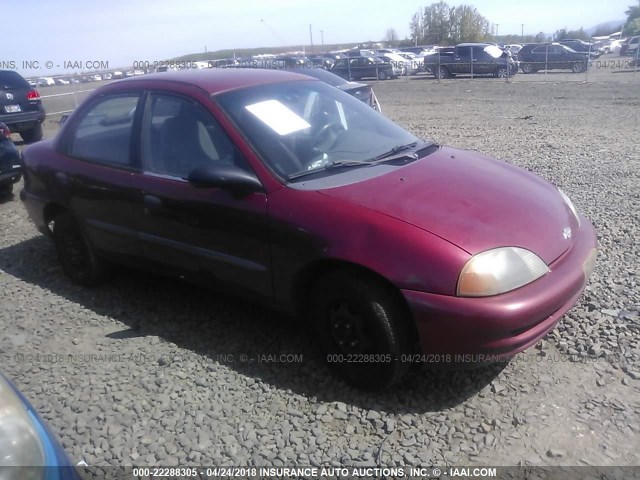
[(162, 373)]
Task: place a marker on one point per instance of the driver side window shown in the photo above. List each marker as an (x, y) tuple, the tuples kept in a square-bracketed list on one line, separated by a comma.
[(179, 135)]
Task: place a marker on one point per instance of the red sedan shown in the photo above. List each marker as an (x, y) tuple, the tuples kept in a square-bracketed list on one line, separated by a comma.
[(285, 189)]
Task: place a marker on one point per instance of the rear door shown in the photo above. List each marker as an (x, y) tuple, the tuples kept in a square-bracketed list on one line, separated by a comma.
[(462, 60), (99, 176)]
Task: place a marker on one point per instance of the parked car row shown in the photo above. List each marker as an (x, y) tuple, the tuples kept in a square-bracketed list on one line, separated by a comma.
[(83, 78), (490, 59)]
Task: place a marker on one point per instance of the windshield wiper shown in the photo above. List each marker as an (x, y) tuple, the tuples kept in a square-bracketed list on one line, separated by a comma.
[(329, 166), (394, 153)]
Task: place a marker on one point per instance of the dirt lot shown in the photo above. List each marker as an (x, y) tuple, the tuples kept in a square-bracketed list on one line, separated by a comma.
[(157, 373)]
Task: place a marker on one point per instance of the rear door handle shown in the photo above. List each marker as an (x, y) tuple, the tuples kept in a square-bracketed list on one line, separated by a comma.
[(151, 202)]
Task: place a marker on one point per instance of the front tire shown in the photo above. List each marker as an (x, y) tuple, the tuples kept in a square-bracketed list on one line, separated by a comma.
[(75, 252), (528, 68), (382, 75), (578, 67), (32, 135), (442, 73), (361, 326)]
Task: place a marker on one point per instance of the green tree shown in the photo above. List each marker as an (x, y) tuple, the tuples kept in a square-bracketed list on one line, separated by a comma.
[(560, 34), (541, 37), (632, 27), (443, 24)]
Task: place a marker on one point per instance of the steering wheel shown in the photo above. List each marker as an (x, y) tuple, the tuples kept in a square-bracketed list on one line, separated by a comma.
[(324, 139)]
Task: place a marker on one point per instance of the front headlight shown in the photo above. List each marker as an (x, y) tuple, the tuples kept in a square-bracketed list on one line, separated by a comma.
[(499, 271), (20, 444), (569, 203)]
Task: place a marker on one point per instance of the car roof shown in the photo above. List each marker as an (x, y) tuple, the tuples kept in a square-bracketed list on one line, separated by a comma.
[(473, 44), (217, 80)]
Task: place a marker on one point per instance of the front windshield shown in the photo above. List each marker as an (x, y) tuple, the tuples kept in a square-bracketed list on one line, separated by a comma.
[(309, 126)]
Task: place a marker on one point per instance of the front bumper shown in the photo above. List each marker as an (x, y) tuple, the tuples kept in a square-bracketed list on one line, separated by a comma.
[(497, 328)]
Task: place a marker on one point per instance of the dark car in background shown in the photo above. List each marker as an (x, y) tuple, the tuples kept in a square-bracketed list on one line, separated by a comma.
[(20, 106), (322, 62), (360, 91), (10, 169), (534, 57), (284, 188), (582, 47), (357, 68), (471, 59)]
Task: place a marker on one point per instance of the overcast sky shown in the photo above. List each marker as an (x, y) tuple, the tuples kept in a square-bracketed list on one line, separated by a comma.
[(121, 31)]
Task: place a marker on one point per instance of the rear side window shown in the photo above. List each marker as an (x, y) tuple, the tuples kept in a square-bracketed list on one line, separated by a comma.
[(464, 51), (12, 80), (103, 134)]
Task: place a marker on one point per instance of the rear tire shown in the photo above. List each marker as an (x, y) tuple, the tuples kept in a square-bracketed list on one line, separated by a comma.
[(6, 190), (361, 327), (501, 73), (382, 75), (75, 252), (32, 135), (528, 68)]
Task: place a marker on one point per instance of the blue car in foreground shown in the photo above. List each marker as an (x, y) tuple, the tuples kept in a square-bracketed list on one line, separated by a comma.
[(28, 449)]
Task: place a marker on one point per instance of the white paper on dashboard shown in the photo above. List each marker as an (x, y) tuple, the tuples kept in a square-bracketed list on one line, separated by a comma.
[(278, 117)]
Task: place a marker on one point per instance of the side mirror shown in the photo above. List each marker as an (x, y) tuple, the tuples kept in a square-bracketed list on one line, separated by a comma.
[(226, 177)]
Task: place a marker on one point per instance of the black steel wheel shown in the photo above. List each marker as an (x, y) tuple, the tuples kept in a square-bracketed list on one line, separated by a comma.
[(75, 252), (362, 328)]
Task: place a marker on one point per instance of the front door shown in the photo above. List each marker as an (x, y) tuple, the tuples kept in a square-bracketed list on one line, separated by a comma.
[(205, 232)]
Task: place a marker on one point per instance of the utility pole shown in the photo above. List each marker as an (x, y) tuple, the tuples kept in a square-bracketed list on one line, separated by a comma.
[(322, 38), (522, 33), (311, 37), (497, 27)]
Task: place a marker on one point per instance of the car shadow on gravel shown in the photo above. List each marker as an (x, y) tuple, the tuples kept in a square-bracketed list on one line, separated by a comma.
[(4, 198), (223, 330)]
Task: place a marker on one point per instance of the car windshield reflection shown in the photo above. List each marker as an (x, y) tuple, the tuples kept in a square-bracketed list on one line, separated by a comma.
[(301, 127)]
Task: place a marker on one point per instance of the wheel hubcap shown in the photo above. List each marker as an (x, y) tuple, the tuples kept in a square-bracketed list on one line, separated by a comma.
[(345, 324)]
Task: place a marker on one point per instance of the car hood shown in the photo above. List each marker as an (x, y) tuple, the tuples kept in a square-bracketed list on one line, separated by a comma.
[(470, 200)]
